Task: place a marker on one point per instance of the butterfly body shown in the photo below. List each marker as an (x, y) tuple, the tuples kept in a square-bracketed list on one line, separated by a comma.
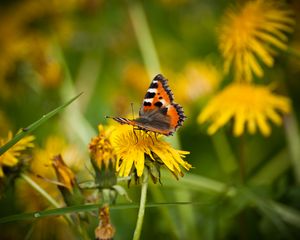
[(158, 112)]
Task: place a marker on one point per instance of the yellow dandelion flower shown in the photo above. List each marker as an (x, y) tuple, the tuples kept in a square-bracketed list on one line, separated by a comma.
[(11, 157), (251, 35), (53, 146), (132, 147), (136, 78), (247, 104), (102, 154), (101, 149), (197, 79), (42, 165), (18, 39)]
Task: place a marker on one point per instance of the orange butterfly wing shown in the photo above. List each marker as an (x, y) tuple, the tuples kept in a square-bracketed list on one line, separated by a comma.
[(158, 113)]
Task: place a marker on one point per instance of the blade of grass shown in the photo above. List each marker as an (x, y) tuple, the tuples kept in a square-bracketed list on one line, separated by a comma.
[(203, 184), (40, 190), (200, 183), (158, 196), (86, 208), (33, 126), (288, 214), (270, 171), (263, 205), (293, 139), (76, 125), (144, 37)]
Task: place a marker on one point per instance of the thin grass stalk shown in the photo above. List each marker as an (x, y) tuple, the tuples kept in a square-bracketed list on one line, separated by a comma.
[(144, 38), (48, 197), (293, 139)]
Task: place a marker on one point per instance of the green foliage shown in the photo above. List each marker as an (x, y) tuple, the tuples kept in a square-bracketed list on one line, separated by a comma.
[(243, 187)]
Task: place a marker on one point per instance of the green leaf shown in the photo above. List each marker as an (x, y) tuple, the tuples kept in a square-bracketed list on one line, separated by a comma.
[(33, 126), (288, 214), (120, 190), (270, 171), (199, 183), (267, 209)]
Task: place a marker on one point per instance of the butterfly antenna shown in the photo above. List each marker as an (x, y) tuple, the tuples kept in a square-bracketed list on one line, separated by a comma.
[(132, 110), (148, 134)]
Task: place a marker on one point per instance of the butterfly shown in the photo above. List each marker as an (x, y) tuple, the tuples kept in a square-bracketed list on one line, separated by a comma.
[(158, 113)]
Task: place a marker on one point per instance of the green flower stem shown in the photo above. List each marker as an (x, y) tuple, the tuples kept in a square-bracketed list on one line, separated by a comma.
[(140, 219), (242, 167), (225, 155), (105, 195), (242, 217), (144, 38)]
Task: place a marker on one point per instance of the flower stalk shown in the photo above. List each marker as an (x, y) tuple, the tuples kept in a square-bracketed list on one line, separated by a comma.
[(140, 219)]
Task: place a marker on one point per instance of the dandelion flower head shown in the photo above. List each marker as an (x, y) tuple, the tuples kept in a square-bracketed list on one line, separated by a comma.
[(132, 147), (247, 104), (101, 149), (198, 79), (43, 165), (250, 35), (11, 157)]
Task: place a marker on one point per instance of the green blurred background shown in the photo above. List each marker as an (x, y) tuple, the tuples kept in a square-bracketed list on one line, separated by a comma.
[(52, 50)]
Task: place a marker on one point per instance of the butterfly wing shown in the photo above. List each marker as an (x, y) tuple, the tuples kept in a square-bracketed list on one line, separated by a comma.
[(159, 113)]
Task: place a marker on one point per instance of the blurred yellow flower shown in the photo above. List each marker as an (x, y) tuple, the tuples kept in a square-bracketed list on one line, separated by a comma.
[(48, 69), (247, 104), (197, 79), (11, 157), (42, 165), (250, 35), (101, 150), (53, 146), (23, 24), (136, 77), (132, 147)]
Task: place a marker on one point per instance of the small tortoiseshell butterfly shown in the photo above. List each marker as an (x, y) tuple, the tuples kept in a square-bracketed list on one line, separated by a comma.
[(158, 112)]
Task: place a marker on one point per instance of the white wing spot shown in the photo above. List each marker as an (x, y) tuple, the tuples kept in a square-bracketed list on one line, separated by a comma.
[(152, 90), (163, 101)]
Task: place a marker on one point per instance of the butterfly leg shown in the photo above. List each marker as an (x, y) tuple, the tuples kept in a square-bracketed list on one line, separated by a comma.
[(147, 132)]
